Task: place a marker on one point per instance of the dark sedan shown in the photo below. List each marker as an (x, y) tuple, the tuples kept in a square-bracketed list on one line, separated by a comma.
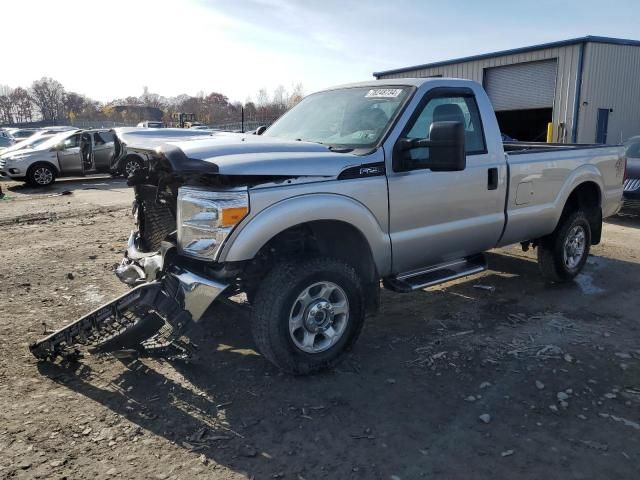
[(632, 181)]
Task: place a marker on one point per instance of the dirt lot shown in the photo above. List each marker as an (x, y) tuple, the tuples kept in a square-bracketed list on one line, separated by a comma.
[(458, 382)]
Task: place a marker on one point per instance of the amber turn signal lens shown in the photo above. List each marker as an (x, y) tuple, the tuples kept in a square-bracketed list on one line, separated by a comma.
[(231, 216)]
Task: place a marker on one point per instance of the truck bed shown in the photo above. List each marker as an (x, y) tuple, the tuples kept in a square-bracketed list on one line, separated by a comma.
[(514, 148)]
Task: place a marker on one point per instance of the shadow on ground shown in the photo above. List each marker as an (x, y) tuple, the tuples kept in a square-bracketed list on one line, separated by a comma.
[(384, 411), (90, 182), (629, 216)]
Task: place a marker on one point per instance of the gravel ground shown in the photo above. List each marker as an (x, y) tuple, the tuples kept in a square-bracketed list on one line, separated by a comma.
[(496, 376)]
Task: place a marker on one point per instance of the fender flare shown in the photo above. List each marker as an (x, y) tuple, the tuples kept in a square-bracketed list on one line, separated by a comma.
[(244, 244), (583, 174)]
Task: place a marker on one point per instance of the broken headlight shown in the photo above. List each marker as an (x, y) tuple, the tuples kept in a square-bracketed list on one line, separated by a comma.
[(206, 218)]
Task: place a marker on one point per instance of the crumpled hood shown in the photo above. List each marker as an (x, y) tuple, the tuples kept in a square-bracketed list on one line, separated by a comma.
[(258, 155), (245, 154)]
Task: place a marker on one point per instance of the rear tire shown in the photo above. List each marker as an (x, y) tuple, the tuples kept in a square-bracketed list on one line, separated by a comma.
[(307, 314), (41, 175), (562, 255)]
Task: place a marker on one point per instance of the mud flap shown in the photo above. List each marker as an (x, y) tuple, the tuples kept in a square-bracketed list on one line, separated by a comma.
[(122, 323)]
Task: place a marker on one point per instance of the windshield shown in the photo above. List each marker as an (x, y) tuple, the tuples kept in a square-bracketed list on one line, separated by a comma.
[(30, 142), (53, 141), (349, 117)]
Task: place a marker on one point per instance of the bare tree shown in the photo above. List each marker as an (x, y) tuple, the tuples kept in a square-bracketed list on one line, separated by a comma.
[(5, 90), (153, 99), (48, 96), (6, 107), (280, 98), (74, 105), (262, 99), (21, 104)]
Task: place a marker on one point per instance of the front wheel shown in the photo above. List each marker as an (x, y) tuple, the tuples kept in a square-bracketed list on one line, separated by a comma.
[(130, 166), (307, 314), (562, 255), (41, 175)]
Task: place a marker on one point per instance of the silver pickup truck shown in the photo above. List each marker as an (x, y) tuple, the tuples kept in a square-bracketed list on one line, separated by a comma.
[(405, 181)]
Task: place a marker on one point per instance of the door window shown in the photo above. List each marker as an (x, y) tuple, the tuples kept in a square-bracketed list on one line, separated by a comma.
[(101, 138), (71, 142), (461, 109)]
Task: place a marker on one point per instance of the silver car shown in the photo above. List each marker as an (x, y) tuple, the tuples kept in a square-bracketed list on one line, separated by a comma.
[(66, 154)]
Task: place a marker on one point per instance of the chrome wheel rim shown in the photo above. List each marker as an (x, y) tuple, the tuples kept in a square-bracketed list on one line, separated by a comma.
[(43, 176), (131, 166), (574, 247), (319, 317)]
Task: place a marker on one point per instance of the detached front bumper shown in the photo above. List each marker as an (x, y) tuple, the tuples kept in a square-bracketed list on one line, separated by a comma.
[(173, 298)]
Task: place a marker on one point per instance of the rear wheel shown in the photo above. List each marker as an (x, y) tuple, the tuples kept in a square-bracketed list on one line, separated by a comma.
[(41, 175), (562, 255), (307, 314)]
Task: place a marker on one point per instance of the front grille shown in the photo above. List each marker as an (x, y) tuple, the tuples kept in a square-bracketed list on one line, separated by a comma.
[(631, 184), (155, 220), (3, 162)]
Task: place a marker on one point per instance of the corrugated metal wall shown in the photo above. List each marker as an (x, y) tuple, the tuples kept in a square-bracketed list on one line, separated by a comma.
[(567, 57), (611, 79)]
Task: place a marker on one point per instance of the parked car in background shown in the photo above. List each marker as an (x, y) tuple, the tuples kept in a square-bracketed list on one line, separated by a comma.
[(5, 142), (632, 181), (67, 153), (20, 133), (30, 142), (150, 124), (199, 127)]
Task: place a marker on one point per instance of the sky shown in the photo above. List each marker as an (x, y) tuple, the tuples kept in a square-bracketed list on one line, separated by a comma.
[(113, 49)]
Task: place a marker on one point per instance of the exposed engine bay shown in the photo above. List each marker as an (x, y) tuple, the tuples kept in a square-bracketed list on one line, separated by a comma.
[(169, 291)]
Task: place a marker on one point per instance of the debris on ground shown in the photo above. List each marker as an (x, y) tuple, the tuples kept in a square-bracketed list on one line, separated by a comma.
[(485, 418)]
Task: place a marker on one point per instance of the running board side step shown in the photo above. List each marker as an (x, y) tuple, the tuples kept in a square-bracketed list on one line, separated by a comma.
[(428, 277)]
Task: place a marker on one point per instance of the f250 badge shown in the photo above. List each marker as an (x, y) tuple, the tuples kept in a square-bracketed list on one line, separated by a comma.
[(364, 171), (620, 167)]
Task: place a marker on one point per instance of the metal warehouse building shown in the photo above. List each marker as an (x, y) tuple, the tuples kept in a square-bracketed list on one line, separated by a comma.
[(588, 88)]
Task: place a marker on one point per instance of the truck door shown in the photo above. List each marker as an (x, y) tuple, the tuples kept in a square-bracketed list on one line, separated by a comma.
[(441, 216), (69, 156)]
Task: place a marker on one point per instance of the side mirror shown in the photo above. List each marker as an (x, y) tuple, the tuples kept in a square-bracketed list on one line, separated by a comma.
[(446, 147), (260, 130), (447, 152)]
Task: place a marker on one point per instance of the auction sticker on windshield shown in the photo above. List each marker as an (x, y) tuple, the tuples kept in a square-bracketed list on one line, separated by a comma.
[(383, 93)]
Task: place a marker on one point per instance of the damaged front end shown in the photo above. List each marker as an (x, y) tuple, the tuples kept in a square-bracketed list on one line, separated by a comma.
[(169, 291)]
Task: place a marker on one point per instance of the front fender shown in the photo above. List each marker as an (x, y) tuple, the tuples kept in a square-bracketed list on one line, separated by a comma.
[(245, 243)]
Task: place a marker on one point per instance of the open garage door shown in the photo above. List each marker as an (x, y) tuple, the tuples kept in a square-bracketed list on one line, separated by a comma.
[(522, 96)]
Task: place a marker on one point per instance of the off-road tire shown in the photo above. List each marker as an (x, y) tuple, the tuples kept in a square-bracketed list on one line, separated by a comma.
[(35, 169), (275, 298), (551, 248)]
